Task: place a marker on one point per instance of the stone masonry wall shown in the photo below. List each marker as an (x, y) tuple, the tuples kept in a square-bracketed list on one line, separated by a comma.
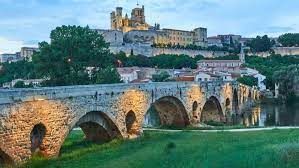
[(147, 50), (284, 51), (58, 109)]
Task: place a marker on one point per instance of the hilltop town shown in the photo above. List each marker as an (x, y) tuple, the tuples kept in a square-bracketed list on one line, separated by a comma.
[(132, 35)]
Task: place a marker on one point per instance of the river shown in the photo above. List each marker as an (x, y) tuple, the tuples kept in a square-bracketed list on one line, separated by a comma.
[(266, 115)]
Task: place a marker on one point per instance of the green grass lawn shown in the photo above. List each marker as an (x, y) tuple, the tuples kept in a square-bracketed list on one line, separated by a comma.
[(276, 148)]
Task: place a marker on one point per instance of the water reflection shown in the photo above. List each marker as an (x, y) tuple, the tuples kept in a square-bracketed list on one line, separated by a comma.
[(265, 115)]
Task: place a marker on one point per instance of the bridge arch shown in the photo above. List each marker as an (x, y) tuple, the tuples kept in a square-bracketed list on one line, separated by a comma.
[(5, 159), (235, 102), (98, 127), (168, 111), (132, 126), (37, 136), (249, 95), (227, 105), (212, 111), (194, 106), (227, 102), (194, 110)]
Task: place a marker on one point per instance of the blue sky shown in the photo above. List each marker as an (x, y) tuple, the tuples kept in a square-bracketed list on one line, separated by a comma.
[(27, 22)]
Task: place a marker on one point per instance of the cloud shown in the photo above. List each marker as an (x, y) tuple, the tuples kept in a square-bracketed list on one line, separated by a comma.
[(9, 46), (32, 20), (278, 29), (12, 46)]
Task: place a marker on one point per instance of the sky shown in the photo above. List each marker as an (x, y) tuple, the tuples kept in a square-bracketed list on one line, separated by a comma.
[(27, 22)]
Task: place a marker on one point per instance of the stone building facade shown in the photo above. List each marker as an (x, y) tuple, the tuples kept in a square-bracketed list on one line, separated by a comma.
[(149, 37), (197, 37), (8, 58), (136, 30), (113, 37), (284, 51), (27, 52), (231, 66), (124, 24)]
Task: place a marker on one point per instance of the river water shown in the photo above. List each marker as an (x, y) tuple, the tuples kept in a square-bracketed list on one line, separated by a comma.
[(266, 115)]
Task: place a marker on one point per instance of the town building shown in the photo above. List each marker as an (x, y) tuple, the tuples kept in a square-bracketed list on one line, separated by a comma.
[(127, 75), (230, 38), (148, 37), (215, 41), (136, 74), (207, 76), (27, 52), (113, 37), (245, 40), (256, 74), (9, 57), (135, 31), (204, 77), (230, 66), (184, 74), (224, 76), (27, 82), (145, 74), (197, 37)]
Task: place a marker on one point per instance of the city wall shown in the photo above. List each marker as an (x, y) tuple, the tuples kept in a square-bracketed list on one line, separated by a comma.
[(284, 51), (149, 51)]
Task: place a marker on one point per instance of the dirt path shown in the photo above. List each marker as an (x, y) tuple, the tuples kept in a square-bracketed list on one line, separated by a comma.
[(224, 130)]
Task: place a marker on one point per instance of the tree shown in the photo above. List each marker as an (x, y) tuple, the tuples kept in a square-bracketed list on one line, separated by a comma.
[(19, 84), (137, 60), (248, 80), (107, 75), (289, 39), (260, 44), (288, 80), (162, 77), (170, 61), (16, 70), (72, 49), (199, 57), (121, 59), (267, 66)]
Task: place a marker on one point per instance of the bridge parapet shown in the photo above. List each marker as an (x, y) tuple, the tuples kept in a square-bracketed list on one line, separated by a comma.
[(41, 118), (49, 93)]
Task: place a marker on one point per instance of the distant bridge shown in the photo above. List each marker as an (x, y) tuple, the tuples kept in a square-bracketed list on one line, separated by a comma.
[(39, 120)]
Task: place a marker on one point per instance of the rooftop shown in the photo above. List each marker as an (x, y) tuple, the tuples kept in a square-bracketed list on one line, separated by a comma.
[(218, 61)]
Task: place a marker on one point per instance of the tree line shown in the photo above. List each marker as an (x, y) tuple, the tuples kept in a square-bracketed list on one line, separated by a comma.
[(78, 55), (288, 80), (74, 56), (269, 65), (232, 49), (264, 43)]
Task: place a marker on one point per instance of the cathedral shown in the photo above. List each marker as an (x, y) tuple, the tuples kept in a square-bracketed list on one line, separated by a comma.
[(126, 24), (128, 33)]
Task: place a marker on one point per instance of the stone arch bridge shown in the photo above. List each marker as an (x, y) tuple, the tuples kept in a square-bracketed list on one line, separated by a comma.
[(39, 120)]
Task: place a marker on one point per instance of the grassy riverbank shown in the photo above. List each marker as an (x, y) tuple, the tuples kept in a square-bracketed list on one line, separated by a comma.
[(276, 148)]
